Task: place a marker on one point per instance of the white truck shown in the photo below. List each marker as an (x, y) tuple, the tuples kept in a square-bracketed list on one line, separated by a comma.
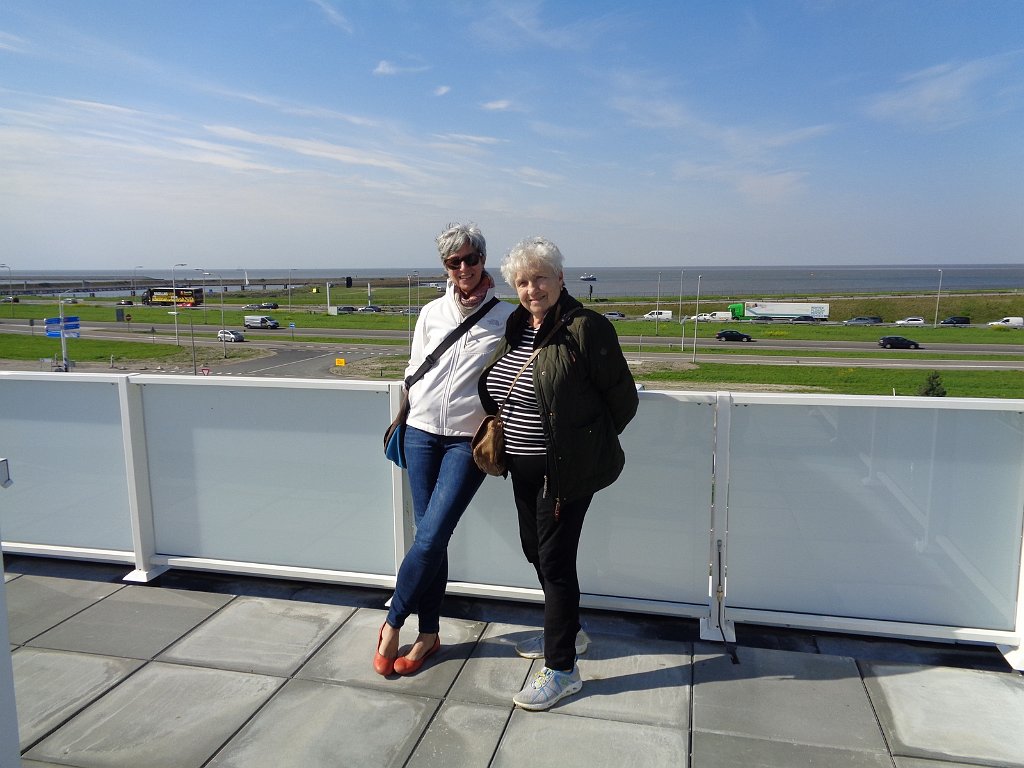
[(260, 321), (1008, 322), (778, 310)]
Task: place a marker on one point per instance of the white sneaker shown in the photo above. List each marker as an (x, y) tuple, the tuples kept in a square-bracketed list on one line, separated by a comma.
[(533, 647), (547, 688)]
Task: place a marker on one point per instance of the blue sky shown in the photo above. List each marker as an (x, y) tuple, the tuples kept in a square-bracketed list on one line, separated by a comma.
[(328, 133)]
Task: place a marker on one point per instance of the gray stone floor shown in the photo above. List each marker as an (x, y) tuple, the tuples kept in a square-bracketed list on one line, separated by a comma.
[(211, 670)]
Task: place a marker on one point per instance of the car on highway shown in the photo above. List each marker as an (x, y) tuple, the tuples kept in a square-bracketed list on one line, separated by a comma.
[(268, 305), (225, 335), (370, 308), (9, 300), (911, 321), (897, 342), (251, 307), (863, 320), (346, 310), (956, 320), (126, 303), (803, 319), (615, 315), (730, 335)]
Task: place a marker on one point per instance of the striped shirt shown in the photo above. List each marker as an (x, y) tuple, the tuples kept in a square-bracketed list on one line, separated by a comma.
[(524, 431)]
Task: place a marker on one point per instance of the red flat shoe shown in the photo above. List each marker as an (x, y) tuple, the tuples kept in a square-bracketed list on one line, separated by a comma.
[(382, 665), (406, 666)]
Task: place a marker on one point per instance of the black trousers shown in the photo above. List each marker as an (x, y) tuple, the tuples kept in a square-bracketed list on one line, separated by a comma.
[(551, 546)]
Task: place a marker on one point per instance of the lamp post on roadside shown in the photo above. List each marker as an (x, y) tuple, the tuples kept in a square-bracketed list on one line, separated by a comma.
[(10, 285), (696, 311), (204, 273), (223, 341), (682, 321), (290, 289), (134, 278), (937, 296), (657, 306), (174, 299)]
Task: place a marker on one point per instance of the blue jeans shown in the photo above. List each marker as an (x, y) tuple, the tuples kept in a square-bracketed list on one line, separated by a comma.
[(443, 479)]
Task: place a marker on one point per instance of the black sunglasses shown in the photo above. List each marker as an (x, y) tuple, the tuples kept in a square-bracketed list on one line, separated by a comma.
[(470, 260)]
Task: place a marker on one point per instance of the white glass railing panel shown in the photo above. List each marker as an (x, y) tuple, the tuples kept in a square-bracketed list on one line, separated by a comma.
[(285, 475), (645, 537), (63, 439), (905, 514)]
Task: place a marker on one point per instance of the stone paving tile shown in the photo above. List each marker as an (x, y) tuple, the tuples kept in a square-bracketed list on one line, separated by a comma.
[(784, 696), (543, 739), (949, 714), (633, 680), (261, 635), (311, 724), (51, 686), (462, 734), (137, 622), (717, 750), (37, 603), (348, 656), (163, 716), (494, 673)]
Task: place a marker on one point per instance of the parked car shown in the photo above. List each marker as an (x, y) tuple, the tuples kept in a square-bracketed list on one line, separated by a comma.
[(126, 302), (225, 335), (897, 342), (615, 315), (863, 320), (370, 308), (911, 321), (346, 310), (956, 320), (268, 305), (731, 335)]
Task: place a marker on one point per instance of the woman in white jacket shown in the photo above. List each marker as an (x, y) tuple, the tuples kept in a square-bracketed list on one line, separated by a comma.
[(444, 411)]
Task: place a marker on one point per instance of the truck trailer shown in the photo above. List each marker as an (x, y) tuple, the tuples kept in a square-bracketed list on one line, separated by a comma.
[(778, 310)]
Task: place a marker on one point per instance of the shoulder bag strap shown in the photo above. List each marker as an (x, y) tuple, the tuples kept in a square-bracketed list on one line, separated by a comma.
[(431, 359), (563, 321)]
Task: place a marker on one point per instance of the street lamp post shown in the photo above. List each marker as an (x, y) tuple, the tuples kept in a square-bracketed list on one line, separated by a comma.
[(10, 285), (290, 289), (174, 298), (134, 278), (204, 273), (63, 338), (937, 296), (223, 341), (696, 311), (682, 322), (657, 306)]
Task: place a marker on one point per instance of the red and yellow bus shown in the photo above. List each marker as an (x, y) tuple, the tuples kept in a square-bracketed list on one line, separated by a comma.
[(169, 297)]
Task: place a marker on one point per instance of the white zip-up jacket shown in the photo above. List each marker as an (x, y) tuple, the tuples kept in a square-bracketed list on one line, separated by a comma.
[(446, 401)]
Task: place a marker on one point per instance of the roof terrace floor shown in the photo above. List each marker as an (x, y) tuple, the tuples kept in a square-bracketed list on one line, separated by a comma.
[(214, 670)]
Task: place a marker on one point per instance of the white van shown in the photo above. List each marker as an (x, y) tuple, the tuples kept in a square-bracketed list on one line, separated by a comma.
[(721, 317), (1009, 322), (260, 321), (664, 315)]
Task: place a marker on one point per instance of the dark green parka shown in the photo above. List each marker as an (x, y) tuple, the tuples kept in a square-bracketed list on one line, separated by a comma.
[(586, 395)]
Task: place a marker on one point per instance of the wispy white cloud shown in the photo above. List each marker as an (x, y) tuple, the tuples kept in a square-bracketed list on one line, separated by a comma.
[(12, 43), (535, 177), (442, 90), (387, 68), (939, 97), (334, 16), (511, 25), (498, 105)]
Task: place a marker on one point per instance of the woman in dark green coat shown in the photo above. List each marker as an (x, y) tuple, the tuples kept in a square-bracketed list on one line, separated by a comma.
[(568, 394)]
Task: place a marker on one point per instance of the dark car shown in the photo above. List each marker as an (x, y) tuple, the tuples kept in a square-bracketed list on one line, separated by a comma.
[(268, 305), (731, 335), (126, 302), (803, 319), (11, 300), (956, 320), (898, 342), (346, 310), (863, 320)]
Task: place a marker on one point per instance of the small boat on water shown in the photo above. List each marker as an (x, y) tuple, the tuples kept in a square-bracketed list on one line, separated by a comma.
[(588, 278)]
